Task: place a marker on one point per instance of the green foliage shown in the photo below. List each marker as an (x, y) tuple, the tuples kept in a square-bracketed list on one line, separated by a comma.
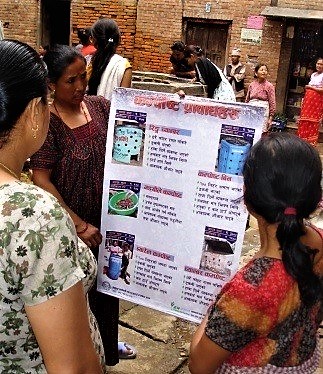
[(280, 117)]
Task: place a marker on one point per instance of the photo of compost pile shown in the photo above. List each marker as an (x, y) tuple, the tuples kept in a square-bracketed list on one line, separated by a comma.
[(123, 198)]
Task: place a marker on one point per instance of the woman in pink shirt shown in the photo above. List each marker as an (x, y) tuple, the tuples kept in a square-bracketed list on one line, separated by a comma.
[(261, 92), (312, 106)]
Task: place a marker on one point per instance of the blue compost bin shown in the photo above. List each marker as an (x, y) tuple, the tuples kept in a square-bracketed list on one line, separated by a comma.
[(233, 153), (128, 140), (114, 269)]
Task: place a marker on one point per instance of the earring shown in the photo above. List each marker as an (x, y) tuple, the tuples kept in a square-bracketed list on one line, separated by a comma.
[(51, 97), (35, 130)]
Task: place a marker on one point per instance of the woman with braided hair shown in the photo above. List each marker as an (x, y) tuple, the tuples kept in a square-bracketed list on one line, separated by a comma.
[(107, 69), (266, 319)]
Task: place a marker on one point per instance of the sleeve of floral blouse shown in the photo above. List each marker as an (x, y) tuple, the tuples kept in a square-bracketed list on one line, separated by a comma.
[(234, 322), (46, 261)]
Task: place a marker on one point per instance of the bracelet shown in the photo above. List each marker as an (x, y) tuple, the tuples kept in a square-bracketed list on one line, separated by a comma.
[(82, 231)]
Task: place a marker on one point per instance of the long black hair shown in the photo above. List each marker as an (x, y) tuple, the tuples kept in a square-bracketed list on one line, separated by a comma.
[(107, 37), (205, 67), (84, 35), (22, 78), (282, 171)]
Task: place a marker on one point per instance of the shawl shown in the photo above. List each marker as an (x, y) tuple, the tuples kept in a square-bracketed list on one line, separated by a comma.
[(112, 76)]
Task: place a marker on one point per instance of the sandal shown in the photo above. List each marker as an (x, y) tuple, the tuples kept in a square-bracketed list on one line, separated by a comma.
[(126, 351)]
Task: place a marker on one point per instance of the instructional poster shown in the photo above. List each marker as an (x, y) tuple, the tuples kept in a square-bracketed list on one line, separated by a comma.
[(173, 219)]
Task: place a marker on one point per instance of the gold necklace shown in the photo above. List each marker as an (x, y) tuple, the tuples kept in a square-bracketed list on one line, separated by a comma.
[(9, 170)]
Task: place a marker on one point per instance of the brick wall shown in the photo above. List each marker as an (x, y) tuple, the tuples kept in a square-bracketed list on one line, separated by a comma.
[(159, 23), (20, 20), (85, 12), (149, 27), (300, 4)]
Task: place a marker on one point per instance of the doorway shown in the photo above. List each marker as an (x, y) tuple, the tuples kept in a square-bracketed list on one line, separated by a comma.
[(55, 22), (211, 37)]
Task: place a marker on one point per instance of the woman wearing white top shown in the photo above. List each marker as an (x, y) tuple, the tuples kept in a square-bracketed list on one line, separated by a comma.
[(107, 70)]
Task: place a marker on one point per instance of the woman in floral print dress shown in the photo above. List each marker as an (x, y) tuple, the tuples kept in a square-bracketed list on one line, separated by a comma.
[(266, 319), (44, 320)]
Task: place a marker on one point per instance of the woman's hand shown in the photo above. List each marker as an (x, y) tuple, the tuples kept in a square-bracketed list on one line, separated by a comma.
[(91, 236), (88, 233), (181, 94), (192, 74), (317, 89), (311, 88), (269, 123)]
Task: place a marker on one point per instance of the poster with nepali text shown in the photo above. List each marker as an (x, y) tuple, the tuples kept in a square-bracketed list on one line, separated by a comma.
[(173, 219)]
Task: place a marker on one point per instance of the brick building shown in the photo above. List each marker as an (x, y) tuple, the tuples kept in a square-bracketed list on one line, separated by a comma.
[(287, 35)]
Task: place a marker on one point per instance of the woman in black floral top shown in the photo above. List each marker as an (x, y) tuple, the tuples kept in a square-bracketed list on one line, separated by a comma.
[(44, 321)]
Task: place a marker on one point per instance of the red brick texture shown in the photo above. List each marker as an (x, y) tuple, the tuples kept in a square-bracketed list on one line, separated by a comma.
[(149, 27)]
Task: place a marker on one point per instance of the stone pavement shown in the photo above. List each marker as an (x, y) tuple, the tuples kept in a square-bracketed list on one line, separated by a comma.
[(162, 341)]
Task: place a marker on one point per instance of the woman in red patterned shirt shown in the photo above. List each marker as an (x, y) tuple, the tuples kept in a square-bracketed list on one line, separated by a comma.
[(265, 320), (261, 92)]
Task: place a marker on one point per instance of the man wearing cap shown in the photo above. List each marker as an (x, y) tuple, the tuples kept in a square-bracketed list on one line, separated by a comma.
[(180, 67), (235, 73)]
